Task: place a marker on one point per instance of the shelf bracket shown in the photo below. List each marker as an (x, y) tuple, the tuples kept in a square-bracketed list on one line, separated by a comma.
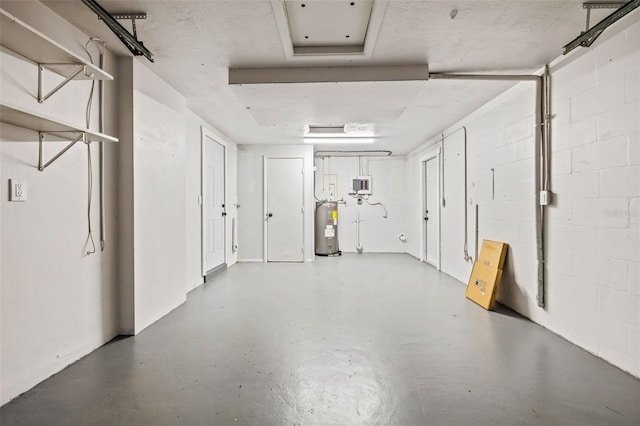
[(82, 136), (41, 67)]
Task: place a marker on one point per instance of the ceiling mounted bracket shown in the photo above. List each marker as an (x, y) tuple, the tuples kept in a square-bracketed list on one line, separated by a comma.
[(133, 17), (134, 45), (587, 38), (598, 5)]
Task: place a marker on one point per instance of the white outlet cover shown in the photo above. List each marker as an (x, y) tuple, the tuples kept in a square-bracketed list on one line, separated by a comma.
[(18, 190)]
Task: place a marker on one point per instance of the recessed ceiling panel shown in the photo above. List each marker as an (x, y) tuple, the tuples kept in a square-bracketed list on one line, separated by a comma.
[(324, 30), (328, 23)]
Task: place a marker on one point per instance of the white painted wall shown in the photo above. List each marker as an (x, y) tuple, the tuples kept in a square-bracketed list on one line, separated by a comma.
[(593, 248), (232, 200), (160, 185), (159, 210), (193, 271), (57, 304), (377, 233), (153, 212), (250, 197)]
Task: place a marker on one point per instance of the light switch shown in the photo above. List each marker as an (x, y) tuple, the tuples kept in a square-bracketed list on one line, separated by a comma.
[(18, 190)]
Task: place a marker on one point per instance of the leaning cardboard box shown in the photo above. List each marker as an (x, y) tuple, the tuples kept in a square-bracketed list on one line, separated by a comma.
[(486, 274)]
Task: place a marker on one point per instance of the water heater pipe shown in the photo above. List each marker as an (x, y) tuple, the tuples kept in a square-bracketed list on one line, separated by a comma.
[(358, 245)]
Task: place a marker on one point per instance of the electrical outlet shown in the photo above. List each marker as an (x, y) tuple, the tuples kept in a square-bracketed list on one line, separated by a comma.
[(18, 190)]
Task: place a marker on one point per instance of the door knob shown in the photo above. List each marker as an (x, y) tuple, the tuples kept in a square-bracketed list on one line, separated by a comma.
[(269, 214), (426, 218), (224, 213)]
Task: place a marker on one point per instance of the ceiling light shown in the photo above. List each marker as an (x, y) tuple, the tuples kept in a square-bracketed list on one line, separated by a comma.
[(348, 130), (333, 140), (321, 131)]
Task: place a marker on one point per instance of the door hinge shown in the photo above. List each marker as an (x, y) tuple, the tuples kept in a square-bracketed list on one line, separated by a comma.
[(302, 171), (200, 200), (302, 210)]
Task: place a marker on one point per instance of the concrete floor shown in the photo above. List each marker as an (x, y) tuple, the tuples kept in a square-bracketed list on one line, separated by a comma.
[(373, 339)]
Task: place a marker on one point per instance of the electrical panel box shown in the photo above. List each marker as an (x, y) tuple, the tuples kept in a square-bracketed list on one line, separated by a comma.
[(360, 185)]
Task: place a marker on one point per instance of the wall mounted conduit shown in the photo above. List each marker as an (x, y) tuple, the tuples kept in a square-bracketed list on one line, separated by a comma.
[(103, 221), (466, 212), (542, 149), (347, 153)]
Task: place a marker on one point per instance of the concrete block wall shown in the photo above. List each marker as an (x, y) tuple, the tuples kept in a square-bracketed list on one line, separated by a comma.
[(594, 238), (593, 234)]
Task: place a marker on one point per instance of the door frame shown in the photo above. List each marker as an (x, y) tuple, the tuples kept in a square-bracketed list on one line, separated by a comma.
[(265, 162), (434, 154), (206, 133)]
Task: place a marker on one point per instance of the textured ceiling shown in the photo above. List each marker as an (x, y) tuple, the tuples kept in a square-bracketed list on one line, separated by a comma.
[(195, 42)]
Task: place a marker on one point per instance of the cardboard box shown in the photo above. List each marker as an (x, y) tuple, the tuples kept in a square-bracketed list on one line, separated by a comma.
[(493, 254), (483, 285)]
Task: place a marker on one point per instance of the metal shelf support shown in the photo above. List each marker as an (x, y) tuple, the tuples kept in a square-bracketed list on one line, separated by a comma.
[(81, 137), (72, 76)]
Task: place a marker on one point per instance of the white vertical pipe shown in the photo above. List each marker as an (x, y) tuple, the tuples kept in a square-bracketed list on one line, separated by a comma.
[(466, 208), (103, 235), (358, 245)]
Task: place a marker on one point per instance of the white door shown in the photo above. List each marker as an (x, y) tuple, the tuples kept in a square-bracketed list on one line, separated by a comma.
[(284, 216), (214, 204), (430, 213)]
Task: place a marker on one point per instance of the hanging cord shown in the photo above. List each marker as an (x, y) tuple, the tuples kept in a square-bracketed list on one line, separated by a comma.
[(89, 195), (90, 240)]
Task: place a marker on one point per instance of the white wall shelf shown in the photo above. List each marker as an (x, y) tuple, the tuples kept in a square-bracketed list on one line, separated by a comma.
[(30, 43), (56, 129), (40, 123)]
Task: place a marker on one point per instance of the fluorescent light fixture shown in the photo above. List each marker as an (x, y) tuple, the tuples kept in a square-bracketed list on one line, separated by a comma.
[(317, 131), (348, 130), (333, 140)]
